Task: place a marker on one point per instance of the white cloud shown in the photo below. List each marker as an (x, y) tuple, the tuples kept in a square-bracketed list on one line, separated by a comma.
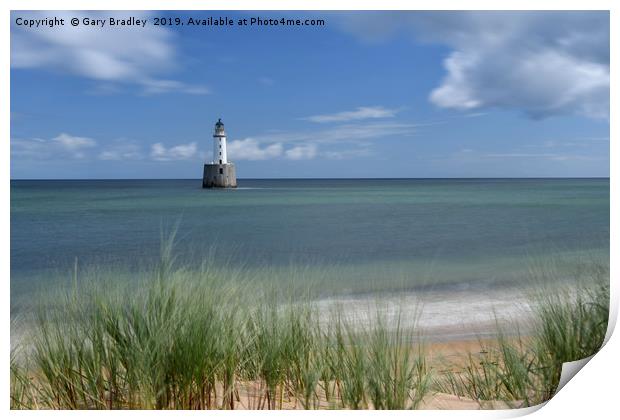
[(542, 83), (111, 55), (74, 143), (361, 113), (253, 149), (250, 149), (121, 152), (62, 146), (542, 63), (302, 152), (180, 152)]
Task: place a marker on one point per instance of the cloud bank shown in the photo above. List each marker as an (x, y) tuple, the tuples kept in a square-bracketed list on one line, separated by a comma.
[(121, 55), (62, 146), (69, 147), (344, 141), (541, 63)]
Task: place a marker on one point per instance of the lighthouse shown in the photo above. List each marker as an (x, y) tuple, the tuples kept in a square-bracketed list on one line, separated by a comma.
[(219, 173)]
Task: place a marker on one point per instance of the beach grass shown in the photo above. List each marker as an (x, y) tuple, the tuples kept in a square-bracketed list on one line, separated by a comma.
[(186, 339), (524, 370), (200, 343)]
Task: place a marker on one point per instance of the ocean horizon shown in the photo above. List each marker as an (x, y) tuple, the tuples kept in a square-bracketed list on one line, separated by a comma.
[(308, 178)]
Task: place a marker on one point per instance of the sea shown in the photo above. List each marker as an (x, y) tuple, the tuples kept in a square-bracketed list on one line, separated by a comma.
[(465, 248)]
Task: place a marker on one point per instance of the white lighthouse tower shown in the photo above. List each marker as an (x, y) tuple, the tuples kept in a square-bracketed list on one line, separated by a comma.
[(219, 173), (219, 143)]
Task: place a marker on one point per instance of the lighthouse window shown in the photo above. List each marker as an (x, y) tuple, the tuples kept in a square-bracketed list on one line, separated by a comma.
[(220, 153), (221, 171)]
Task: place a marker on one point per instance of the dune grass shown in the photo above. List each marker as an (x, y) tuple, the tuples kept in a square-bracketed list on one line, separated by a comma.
[(569, 324), (200, 343), (181, 339)]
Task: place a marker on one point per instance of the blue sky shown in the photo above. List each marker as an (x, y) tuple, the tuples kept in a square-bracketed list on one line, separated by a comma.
[(393, 94)]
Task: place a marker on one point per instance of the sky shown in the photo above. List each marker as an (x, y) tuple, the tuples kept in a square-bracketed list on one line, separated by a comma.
[(366, 95)]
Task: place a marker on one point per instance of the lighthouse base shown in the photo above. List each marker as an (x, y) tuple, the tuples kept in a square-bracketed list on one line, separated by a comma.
[(219, 176)]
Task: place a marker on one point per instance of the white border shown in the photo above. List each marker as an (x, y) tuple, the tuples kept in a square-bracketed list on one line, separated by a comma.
[(593, 394)]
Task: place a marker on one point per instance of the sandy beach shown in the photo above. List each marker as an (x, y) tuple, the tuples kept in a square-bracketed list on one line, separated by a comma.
[(441, 355)]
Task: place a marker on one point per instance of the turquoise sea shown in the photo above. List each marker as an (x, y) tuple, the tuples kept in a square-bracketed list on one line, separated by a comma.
[(360, 236)]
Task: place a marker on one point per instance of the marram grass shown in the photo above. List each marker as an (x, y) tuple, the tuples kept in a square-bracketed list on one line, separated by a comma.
[(198, 343), (525, 370), (195, 340)]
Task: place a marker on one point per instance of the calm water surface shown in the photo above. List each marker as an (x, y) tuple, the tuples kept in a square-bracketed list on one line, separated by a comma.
[(457, 231)]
